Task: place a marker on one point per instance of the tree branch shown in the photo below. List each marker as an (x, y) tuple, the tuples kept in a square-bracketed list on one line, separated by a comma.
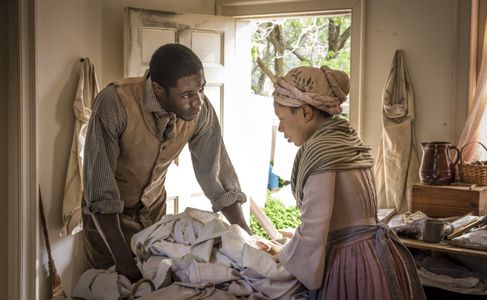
[(298, 54), (266, 70), (344, 37)]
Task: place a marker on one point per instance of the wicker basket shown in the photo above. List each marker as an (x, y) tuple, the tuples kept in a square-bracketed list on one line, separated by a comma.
[(475, 172)]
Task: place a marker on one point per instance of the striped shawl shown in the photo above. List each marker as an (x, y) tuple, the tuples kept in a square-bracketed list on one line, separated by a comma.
[(335, 145)]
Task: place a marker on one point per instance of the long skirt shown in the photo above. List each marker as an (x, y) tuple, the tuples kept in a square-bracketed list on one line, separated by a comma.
[(368, 262)]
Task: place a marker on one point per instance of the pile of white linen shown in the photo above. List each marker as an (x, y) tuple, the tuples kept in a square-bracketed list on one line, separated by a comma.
[(208, 256)]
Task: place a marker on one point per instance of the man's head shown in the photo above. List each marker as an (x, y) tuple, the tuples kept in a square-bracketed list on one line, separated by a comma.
[(178, 80)]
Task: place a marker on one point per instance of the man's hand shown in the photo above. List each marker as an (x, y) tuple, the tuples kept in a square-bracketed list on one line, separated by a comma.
[(246, 228), (109, 228), (234, 215), (129, 269)]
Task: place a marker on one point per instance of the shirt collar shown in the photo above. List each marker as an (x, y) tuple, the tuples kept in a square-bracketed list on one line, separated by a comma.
[(151, 104)]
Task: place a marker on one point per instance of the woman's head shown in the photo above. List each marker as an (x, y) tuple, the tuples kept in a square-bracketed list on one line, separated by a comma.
[(305, 97)]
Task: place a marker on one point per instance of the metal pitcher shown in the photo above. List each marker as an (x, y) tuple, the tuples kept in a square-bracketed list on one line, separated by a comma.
[(437, 166)]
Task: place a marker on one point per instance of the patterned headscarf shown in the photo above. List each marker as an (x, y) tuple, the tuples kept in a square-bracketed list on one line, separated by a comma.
[(324, 88)]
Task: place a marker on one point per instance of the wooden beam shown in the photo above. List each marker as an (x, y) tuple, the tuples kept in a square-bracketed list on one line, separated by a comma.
[(264, 221)]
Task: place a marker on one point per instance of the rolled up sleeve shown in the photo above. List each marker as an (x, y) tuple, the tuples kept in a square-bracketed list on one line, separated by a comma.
[(101, 153), (212, 166)]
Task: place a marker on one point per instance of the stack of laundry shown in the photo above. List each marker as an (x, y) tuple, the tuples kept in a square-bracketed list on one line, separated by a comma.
[(441, 272), (196, 254)]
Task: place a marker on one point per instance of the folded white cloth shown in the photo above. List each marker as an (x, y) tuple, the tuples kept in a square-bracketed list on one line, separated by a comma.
[(465, 285), (106, 285), (194, 272), (475, 239), (203, 251), (187, 291)]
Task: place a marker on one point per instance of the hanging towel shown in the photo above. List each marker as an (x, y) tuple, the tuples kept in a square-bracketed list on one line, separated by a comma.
[(397, 164), (73, 188)]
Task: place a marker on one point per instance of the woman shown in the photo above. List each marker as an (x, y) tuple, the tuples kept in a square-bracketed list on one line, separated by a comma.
[(339, 251)]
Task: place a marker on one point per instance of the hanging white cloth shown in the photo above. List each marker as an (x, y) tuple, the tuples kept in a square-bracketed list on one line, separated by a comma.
[(397, 165), (475, 129), (73, 187)]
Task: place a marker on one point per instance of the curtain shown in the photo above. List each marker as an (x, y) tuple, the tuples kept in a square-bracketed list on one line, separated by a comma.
[(73, 188), (475, 129), (397, 164)]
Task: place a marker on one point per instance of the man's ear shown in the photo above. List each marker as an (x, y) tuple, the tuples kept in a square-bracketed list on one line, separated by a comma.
[(158, 89)]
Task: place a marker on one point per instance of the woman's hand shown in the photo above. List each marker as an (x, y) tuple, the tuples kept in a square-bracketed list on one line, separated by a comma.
[(270, 246)]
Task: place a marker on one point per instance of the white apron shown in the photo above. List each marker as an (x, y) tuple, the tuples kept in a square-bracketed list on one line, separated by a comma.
[(73, 187), (397, 163)]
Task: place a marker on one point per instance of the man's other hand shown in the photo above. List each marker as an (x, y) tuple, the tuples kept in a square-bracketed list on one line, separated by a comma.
[(129, 269)]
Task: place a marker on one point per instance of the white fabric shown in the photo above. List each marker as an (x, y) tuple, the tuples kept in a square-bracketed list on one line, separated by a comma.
[(73, 187), (267, 276), (202, 249), (106, 285), (475, 129), (192, 271), (187, 291), (466, 285), (475, 239), (397, 164), (156, 269)]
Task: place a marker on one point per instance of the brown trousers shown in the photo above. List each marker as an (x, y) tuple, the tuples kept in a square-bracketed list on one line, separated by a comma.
[(97, 253)]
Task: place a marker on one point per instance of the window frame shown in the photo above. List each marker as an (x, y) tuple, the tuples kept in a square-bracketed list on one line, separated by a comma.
[(256, 9)]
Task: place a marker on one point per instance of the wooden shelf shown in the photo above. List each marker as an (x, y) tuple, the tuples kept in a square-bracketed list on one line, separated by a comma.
[(442, 247)]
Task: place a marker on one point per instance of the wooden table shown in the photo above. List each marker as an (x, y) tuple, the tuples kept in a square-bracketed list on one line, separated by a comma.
[(442, 247)]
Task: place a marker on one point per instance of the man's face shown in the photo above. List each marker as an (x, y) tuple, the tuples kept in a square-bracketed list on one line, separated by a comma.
[(185, 98)]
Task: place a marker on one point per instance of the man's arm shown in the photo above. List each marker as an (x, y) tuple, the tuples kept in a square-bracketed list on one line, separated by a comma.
[(101, 193), (234, 215), (213, 168), (109, 228)]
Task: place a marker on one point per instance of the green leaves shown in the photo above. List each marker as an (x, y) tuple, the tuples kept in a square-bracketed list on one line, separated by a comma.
[(281, 44), (282, 217)]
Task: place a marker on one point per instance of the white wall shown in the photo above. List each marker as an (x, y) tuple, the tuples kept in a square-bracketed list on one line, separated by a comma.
[(436, 57), (68, 30)]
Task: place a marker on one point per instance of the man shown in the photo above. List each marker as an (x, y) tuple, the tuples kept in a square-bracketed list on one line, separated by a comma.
[(137, 128)]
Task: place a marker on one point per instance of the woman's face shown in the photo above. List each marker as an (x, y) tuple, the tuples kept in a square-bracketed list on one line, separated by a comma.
[(291, 123)]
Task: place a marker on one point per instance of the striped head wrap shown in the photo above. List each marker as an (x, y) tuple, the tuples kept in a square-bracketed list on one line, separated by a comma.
[(324, 88)]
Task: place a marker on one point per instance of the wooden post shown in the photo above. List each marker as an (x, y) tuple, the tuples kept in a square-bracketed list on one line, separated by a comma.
[(264, 221)]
